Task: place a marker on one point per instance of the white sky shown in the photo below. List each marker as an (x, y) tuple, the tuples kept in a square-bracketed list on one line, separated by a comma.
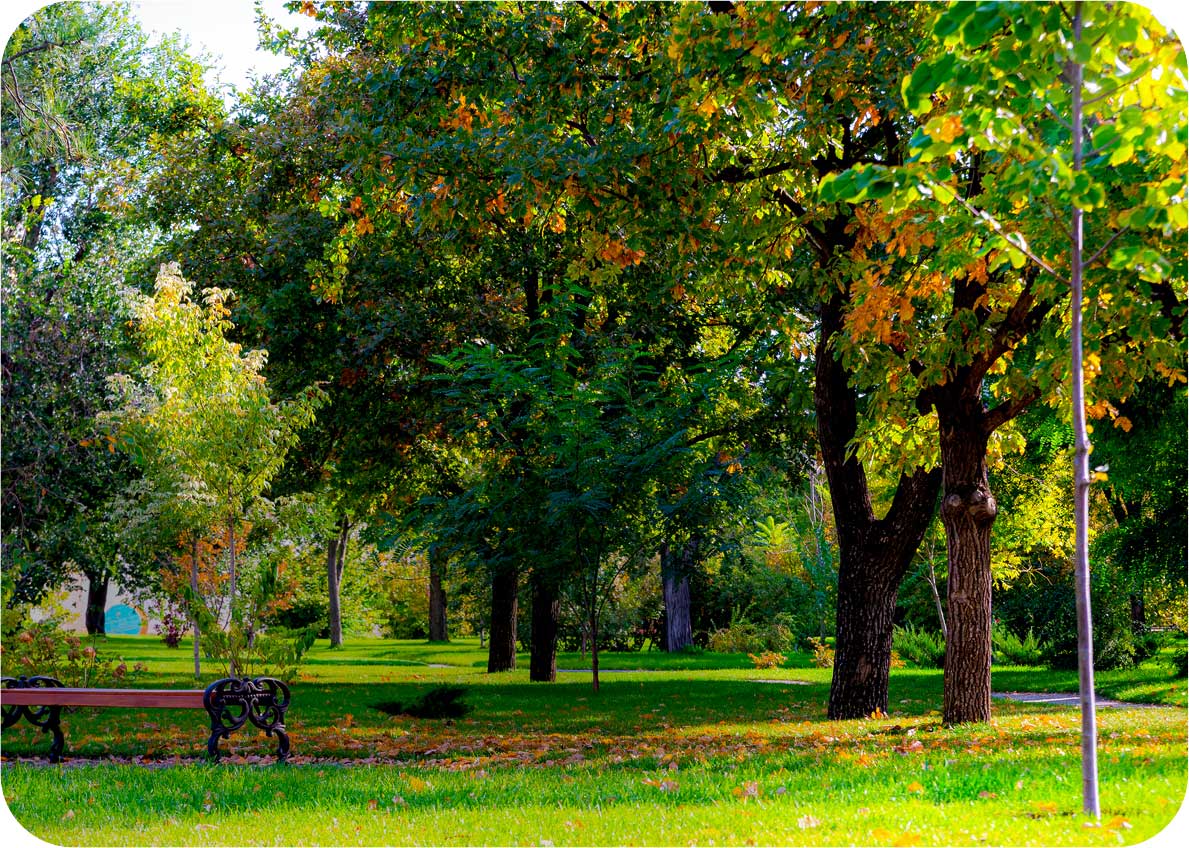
[(224, 29)]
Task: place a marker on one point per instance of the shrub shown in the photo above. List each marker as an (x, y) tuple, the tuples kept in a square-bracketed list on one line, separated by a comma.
[(768, 659), (43, 648), (823, 654), (1179, 662), (1009, 649), (745, 637), (173, 626), (918, 648)]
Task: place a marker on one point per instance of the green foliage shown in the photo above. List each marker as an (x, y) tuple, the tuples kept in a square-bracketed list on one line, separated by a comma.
[(823, 654), (747, 638), (1179, 660), (1010, 649), (918, 647), (45, 648)]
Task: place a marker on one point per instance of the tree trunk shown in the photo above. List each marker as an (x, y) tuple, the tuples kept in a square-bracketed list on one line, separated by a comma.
[(873, 554), (1081, 457), (232, 578), (95, 617), (594, 645), (967, 512), (501, 648), (932, 580), (675, 571), (542, 666), (863, 638), (197, 597), (333, 612), (437, 595)]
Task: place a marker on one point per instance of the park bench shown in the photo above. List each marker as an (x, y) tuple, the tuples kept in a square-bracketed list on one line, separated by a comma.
[(231, 703)]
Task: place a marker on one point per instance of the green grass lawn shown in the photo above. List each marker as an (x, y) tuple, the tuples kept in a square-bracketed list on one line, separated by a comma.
[(695, 748)]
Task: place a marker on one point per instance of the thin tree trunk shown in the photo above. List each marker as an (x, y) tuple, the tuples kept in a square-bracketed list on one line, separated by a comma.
[(438, 631), (968, 510), (1081, 466), (501, 649), (594, 645), (932, 579), (95, 617), (197, 598), (542, 666), (333, 612)]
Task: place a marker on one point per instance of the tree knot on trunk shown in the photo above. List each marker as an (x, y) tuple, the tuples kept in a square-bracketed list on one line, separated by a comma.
[(979, 505)]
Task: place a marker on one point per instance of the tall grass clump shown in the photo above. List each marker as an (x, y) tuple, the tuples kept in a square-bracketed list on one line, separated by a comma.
[(1009, 649), (918, 648)]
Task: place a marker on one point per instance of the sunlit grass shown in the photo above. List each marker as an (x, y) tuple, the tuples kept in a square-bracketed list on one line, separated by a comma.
[(669, 755)]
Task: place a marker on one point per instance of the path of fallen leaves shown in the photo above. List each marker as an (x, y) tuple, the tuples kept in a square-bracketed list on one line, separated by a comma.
[(472, 746)]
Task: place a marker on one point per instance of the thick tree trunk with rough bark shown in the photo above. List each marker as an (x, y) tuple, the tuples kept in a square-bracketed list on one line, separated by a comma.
[(438, 631), (968, 510), (501, 648), (867, 594), (874, 554), (95, 617), (675, 571), (542, 666)]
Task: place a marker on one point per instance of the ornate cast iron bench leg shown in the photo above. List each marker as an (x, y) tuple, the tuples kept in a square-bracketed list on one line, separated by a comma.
[(233, 702), (49, 719)]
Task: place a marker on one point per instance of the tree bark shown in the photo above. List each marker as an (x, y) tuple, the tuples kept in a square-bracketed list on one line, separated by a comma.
[(333, 612), (873, 554), (675, 571), (593, 614), (968, 510), (438, 631), (501, 647), (95, 617), (197, 597), (542, 666)]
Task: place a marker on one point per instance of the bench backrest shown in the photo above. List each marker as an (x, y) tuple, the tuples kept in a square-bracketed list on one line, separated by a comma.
[(71, 697)]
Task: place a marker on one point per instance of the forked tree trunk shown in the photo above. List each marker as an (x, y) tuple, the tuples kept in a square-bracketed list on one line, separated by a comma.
[(675, 570), (501, 648), (873, 554), (968, 510), (542, 667), (437, 595), (95, 617)]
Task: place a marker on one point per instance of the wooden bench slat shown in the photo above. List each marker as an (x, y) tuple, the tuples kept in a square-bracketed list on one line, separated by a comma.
[(70, 697)]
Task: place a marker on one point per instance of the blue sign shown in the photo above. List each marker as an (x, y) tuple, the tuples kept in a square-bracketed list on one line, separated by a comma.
[(121, 620)]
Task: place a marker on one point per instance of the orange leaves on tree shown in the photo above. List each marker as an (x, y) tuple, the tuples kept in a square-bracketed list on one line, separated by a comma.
[(619, 253), (499, 204)]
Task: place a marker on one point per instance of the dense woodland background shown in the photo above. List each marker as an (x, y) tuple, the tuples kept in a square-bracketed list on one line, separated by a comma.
[(635, 326)]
